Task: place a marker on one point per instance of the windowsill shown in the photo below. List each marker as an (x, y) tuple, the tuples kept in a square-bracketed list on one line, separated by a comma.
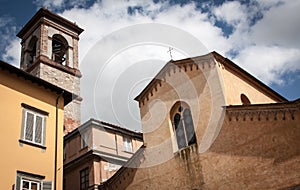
[(83, 148), (32, 144), (129, 152), (187, 147)]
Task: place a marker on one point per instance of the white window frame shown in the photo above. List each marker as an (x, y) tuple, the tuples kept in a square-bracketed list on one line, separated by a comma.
[(31, 179), (127, 144), (35, 115)]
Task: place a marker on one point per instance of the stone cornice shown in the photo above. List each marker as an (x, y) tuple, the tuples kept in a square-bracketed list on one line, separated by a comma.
[(45, 13), (264, 112), (51, 63)]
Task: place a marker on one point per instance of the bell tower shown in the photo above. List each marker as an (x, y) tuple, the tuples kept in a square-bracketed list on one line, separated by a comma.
[(50, 52)]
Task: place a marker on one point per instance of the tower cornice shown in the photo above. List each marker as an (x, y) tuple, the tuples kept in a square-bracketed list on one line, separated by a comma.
[(45, 13)]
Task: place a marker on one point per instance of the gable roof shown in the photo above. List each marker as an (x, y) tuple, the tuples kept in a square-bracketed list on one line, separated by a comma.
[(68, 96), (226, 62)]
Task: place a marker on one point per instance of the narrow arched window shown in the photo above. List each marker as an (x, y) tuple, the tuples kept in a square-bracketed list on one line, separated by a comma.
[(32, 50), (179, 131), (189, 127), (59, 49), (183, 125)]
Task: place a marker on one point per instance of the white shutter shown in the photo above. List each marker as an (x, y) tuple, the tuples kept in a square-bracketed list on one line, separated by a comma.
[(44, 132), (23, 123), (47, 185), (29, 126), (38, 129)]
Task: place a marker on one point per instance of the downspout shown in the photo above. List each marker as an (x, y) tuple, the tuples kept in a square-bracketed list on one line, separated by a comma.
[(56, 134)]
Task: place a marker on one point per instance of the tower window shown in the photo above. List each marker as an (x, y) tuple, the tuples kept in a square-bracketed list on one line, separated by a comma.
[(59, 49), (183, 125), (32, 49)]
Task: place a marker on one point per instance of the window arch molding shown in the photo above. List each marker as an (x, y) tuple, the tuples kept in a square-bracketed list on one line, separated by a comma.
[(182, 125), (60, 49)]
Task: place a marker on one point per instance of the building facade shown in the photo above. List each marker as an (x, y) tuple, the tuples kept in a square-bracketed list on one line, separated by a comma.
[(95, 151), (32, 112), (50, 52), (214, 127)]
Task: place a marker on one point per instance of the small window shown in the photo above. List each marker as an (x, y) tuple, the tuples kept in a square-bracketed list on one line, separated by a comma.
[(127, 144), (84, 179), (84, 139), (183, 125), (31, 182), (33, 125), (64, 152), (245, 100), (32, 49)]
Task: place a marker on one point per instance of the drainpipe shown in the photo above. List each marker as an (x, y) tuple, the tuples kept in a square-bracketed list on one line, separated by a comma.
[(56, 134)]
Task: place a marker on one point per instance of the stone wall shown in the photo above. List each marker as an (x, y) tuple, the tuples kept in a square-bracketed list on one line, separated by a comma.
[(247, 154)]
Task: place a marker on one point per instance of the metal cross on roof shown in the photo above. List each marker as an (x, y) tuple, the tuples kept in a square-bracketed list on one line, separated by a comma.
[(170, 51)]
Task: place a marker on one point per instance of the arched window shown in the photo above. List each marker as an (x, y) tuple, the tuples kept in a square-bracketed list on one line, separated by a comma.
[(59, 49), (183, 125), (245, 100), (32, 49)]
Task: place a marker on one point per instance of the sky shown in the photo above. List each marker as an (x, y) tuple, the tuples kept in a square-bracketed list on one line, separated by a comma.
[(125, 43)]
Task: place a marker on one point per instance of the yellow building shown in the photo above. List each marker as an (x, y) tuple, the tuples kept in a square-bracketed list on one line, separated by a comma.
[(32, 116)]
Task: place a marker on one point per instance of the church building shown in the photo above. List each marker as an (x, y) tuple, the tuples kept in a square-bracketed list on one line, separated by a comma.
[(208, 124)]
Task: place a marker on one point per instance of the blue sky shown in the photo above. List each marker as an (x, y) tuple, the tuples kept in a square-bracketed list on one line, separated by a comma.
[(262, 37)]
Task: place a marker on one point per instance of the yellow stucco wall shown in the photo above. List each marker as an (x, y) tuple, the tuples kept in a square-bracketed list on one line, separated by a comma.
[(235, 85), (17, 157)]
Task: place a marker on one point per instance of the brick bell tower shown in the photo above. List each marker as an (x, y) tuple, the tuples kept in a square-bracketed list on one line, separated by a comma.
[(50, 52)]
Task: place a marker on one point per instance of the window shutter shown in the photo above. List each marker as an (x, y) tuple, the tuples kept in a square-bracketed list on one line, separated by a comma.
[(18, 183), (23, 123), (38, 129), (47, 185), (29, 126), (44, 131)]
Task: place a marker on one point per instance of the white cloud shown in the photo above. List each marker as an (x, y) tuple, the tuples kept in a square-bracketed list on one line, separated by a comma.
[(9, 46), (106, 17), (12, 53), (231, 12), (49, 3), (268, 49), (279, 26), (269, 63)]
